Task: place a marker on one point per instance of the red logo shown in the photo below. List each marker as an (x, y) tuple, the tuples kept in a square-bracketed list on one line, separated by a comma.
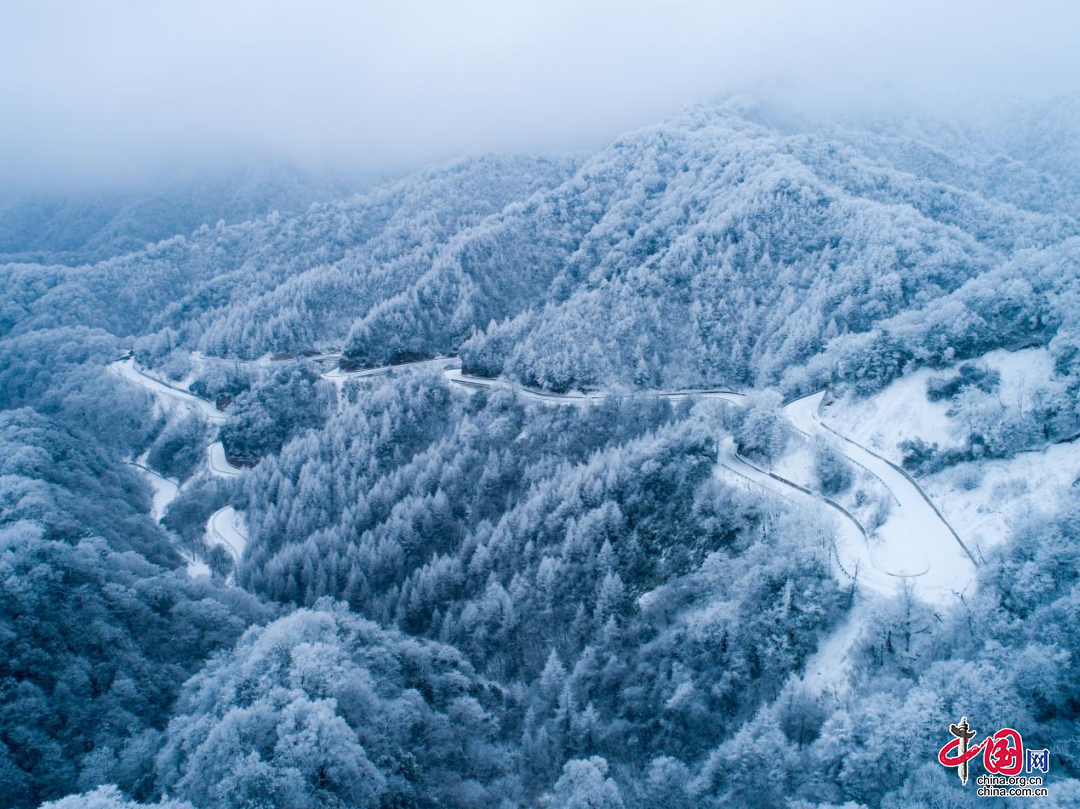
[(1004, 753)]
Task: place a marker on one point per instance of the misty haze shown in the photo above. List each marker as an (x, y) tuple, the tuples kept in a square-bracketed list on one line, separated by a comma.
[(558, 405)]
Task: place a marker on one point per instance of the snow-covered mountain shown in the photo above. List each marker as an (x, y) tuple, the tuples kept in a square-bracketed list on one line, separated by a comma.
[(726, 465), (725, 245)]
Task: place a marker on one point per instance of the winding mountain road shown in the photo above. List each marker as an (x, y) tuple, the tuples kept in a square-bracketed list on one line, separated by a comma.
[(126, 369), (915, 543), (455, 376), (851, 550), (225, 528)]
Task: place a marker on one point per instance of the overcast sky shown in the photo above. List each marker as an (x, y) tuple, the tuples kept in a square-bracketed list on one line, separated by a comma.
[(113, 89)]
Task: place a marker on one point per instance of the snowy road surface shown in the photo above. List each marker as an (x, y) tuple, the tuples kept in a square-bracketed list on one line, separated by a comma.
[(852, 550), (165, 489), (215, 453), (219, 463), (339, 377), (456, 377), (226, 528), (915, 541), (126, 368)]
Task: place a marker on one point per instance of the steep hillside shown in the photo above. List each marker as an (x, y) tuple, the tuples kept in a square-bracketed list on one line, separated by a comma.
[(726, 245)]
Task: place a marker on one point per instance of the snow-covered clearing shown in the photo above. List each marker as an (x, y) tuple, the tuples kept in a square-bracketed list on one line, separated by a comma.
[(900, 411), (980, 499), (903, 411), (984, 498), (826, 670)]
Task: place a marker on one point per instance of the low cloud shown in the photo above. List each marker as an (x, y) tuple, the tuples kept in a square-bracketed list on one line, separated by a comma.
[(113, 91)]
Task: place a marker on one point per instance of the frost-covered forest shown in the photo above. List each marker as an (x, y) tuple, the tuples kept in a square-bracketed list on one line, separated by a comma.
[(550, 586)]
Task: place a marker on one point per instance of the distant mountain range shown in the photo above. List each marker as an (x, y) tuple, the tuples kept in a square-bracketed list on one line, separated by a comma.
[(725, 245)]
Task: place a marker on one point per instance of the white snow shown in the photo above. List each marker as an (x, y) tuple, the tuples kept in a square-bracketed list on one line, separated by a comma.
[(165, 491), (473, 383), (852, 551), (126, 368), (914, 541), (898, 412), (1021, 371), (226, 528), (903, 411), (797, 463), (196, 568), (218, 463), (826, 671), (1002, 491)]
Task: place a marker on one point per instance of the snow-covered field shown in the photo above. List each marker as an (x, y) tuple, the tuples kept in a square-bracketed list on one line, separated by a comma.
[(899, 411), (981, 499), (903, 411)]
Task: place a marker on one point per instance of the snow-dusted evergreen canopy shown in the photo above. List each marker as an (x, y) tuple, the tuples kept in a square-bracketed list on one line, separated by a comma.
[(432, 590)]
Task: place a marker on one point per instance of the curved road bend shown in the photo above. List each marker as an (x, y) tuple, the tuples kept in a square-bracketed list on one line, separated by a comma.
[(126, 368), (224, 526), (165, 489), (915, 537), (852, 550), (915, 542)]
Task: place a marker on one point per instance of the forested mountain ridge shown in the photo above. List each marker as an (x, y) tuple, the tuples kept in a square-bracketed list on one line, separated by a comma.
[(290, 274), (764, 249), (455, 595), (722, 246)]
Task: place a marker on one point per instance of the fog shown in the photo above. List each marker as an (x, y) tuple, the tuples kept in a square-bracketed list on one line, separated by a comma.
[(114, 91)]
